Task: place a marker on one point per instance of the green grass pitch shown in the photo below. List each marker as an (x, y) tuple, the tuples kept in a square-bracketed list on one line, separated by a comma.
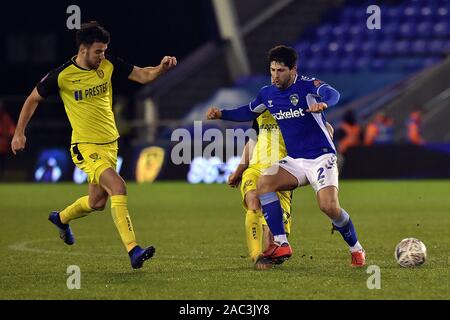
[(198, 231)]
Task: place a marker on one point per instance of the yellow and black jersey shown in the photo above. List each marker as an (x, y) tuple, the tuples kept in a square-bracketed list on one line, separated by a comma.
[(270, 146), (87, 97)]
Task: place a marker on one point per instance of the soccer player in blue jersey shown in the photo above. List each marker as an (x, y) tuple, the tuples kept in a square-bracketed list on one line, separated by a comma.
[(297, 103)]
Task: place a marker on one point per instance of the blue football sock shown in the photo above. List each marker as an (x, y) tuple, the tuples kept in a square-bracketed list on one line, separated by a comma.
[(272, 212), (344, 225)]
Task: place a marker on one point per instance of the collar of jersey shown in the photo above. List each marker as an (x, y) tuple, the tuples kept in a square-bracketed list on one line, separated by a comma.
[(78, 66)]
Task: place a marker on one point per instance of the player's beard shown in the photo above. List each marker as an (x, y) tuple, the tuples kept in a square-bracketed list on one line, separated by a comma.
[(282, 84), (96, 64), (93, 63)]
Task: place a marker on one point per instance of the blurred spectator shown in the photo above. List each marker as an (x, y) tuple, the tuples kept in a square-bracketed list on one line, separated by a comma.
[(7, 128), (349, 132), (379, 130), (414, 128)]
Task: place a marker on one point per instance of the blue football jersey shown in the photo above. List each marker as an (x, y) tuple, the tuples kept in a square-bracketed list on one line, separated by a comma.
[(305, 133)]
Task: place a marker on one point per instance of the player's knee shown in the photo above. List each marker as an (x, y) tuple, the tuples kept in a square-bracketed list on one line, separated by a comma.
[(98, 205), (119, 187), (331, 208), (264, 185), (252, 203)]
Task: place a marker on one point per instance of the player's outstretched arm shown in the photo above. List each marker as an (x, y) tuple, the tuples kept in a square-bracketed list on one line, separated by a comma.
[(30, 105), (149, 74), (240, 114)]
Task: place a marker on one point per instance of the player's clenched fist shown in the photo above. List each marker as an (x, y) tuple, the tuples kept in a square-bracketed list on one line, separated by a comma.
[(213, 113), (234, 179), (167, 63)]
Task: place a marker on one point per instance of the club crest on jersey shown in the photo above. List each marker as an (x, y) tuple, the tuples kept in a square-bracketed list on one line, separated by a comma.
[(270, 105), (94, 156), (294, 99), (100, 73)]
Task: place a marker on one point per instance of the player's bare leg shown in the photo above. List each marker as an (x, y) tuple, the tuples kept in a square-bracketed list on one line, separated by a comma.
[(328, 201), (266, 188), (115, 186), (267, 237), (97, 197), (329, 204)]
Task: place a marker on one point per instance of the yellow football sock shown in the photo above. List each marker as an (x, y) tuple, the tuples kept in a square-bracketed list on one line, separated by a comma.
[(122, 220), (253, 232), (78, 209)]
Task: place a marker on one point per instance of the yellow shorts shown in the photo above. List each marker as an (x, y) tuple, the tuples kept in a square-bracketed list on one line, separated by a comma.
[(250, 178), (93, 159)]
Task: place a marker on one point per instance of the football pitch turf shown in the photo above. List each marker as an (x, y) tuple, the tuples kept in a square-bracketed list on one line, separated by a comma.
[(198, 232)]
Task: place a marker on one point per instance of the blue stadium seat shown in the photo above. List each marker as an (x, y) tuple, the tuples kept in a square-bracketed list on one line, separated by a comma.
[(351, 48), (362, 63), (425, 29), (356, 31), (436, 47), (390, 29), (443, 13), (441, 29), (341, 32), (318, 48), (313, 65), (325, 31), (419, 47), (394, 13), (347, 65), (412, 10), (402, 47), (386, 47), (334, 47), (408, 30), (368, 48), (331, 64), (427, 12), (360, 13)]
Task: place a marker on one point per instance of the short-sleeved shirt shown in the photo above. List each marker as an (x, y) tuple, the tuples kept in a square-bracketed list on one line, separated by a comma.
[(87, 97)]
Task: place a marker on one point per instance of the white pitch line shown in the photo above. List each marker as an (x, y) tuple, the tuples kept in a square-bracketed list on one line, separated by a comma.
[(24, 246), (27, 246)]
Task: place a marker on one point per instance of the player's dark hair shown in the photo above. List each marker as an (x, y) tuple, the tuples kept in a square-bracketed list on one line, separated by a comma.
[(91, 32), (283, 54)]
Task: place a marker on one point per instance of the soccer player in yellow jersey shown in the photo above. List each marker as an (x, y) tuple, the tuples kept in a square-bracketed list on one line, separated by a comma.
[(257, 157), (84, 84)]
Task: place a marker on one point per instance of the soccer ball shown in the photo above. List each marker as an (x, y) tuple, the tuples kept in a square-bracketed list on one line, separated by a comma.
[(410, 252)]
